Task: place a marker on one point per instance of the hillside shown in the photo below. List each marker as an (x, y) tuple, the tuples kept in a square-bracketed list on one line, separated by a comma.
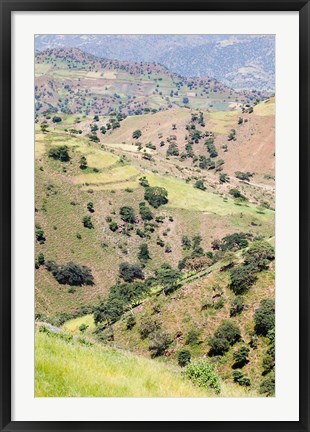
[(108, 372), (72, 81), (154, 228)]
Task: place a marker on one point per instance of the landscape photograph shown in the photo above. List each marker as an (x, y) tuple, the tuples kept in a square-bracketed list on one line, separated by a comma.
[(154, 215)]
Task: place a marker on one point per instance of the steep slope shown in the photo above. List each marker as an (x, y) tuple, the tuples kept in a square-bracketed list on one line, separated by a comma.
[(79, 368)]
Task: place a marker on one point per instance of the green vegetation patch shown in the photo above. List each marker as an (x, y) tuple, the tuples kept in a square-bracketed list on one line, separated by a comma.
[(183, 195), (76, 368)]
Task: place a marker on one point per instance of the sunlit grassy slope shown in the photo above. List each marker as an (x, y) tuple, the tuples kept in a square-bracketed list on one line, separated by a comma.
[(72, 369), (183, 195)]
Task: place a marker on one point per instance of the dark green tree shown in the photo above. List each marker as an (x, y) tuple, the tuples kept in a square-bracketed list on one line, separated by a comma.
[(83, 162), (59, 153), (136, 134), (71, 274), (144, 254), (259, 255), (160, 341), (241, 357), (242, 278), (90, 207), (130, 272), (264, 317), (200, 185), (184, 357), (156, 196), (87, 222), (127, 214)]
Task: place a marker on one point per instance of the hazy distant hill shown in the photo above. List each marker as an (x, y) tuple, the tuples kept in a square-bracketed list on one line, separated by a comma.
[(70, 80), (240, 61)]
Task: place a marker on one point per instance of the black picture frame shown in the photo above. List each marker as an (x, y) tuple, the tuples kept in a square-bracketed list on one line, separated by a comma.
[(6, 8)]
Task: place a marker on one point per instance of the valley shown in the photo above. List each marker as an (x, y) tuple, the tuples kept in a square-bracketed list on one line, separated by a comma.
[(154, 213)]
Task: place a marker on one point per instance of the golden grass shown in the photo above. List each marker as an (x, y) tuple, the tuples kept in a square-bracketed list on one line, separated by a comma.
[(222, 121), (266, 108)]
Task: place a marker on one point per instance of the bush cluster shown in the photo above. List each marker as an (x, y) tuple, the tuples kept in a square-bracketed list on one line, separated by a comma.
[(226, 335), (156, 196), (59, 153), (203, 374), (71, 274)]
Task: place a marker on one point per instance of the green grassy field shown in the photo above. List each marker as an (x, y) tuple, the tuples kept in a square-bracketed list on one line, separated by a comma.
[(183, 195), (75, 369)]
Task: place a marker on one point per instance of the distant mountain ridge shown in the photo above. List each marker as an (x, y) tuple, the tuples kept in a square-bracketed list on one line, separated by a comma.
[(69, 80), (239, 61)]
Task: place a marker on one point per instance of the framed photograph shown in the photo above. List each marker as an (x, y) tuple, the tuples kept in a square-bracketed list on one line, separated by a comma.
[(154, 215)]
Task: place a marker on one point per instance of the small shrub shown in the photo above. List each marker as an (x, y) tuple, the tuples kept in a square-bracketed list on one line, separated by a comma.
[(267, 385), (240, 379), (229, 331), (56, 119), (237, 194), (83, 327), (105, 334), (218, 346), (184, 357), (59, 153), (113, 226), (127, 214), (202, 374), (192, 337), (130, 272), (259, 254), (109, 311), (136, 134), (41, 259), (145, 212), (200, 185), (236, 306), (241, 357), (40, 235), (144, 254), (87, 222), (83, 163), (147, 327), (264, 317), (90, 207), (131, 322), (168, 248), (160, 340)]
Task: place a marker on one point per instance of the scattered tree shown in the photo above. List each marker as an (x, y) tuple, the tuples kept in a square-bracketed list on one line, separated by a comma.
[(130, 272), (83, 162), (144, 255), (156, 196), (136, 134), (184, 357), (264, 317), (87, 222), (71, 274), (127, 214), (59, 153)]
